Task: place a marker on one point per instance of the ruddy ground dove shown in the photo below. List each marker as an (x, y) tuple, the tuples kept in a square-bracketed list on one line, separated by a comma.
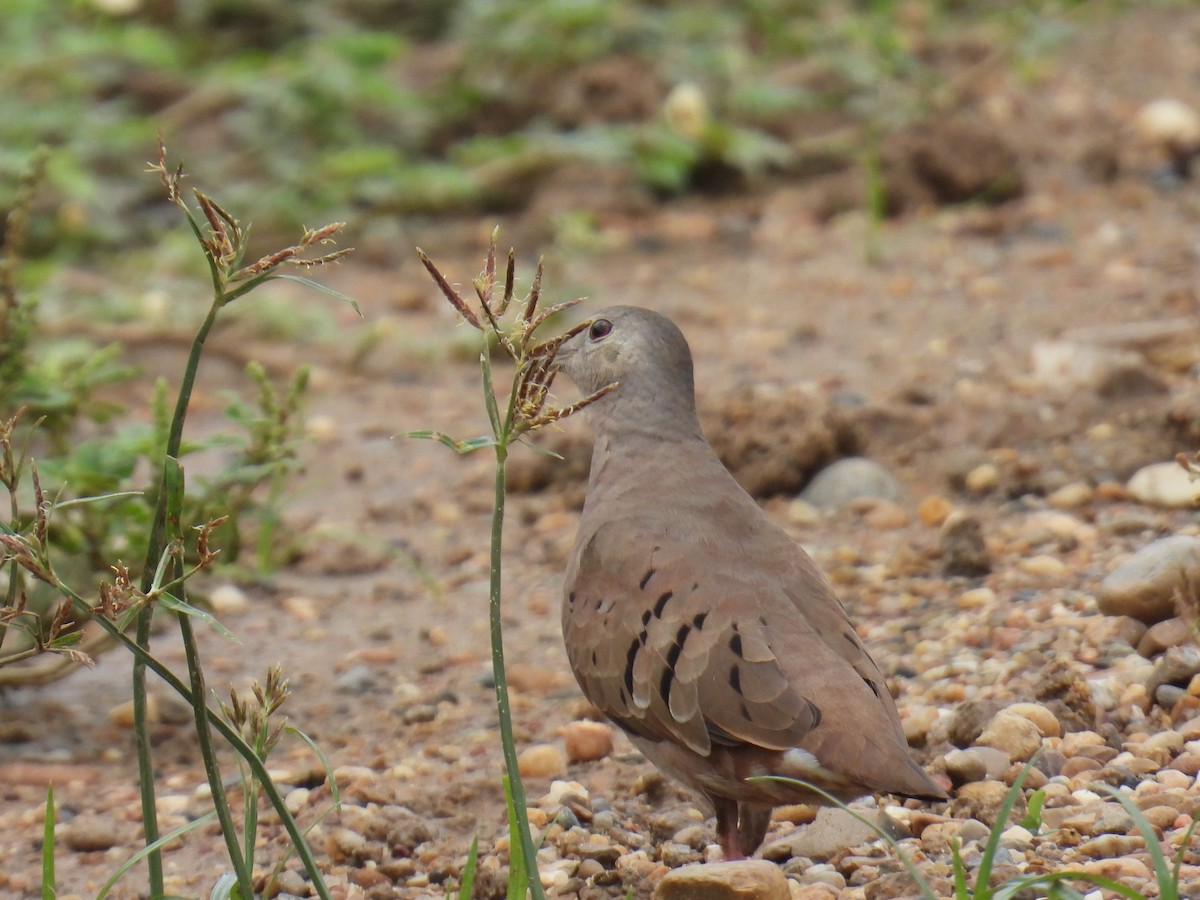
[(696, 624)]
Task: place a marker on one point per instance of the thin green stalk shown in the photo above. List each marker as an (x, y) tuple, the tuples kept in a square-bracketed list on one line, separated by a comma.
[(208, 753), (154, 548), (527, 850)]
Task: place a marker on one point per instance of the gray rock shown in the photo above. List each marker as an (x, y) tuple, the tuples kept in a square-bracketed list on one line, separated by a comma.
[(833, 831), (1177, 666), (849, 479), (1144, 586)]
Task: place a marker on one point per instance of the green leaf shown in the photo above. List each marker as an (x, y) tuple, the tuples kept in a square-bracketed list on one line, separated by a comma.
[(1032, 820), (79, 501), (323, 288), (468, 445), (150, 848), (49, 888), (173, 603), (226, 888)]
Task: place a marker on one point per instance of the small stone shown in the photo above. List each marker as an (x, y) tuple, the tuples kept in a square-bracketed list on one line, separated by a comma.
[(1044, 567), (964, 551), (355, 680), (1144, 586), (88, 834), (980, 800), (228, 599), (1014, 734), (586, 741), (1165, 484), (303, 609), (982, 479), (934, 510), (1177, 665), (1110, 845), (542, 761), (1016, 838), (849, 479), (1099, 818), (1164, 634), (1072, 495), (886, 516), (830, 833), (1046, 722), (965, 766), (750, 879)]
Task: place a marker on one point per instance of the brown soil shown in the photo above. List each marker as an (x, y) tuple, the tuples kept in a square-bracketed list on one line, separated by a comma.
[(804, 352)]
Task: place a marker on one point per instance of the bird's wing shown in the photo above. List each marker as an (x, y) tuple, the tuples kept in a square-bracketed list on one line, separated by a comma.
[(674, 640)]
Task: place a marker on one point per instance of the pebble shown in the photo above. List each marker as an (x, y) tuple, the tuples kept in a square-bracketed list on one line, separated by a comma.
[(228, 599), (1162, 635), (542, 761), (88, 834), (982, 479), (830, 833), (1165, 484), (1144, 586), (586, 741), (303, 609), (750, 879), (885, 515), (934, 510), (964, 766), (964, 551), (1045, 720), (979, 800), (1071, 496), (1014, 734), (849, 479)]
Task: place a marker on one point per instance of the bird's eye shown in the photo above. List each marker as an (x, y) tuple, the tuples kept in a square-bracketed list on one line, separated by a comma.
[(600, 328)]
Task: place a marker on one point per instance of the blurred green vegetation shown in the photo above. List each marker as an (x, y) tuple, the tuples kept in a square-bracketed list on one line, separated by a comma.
[(356, 107)]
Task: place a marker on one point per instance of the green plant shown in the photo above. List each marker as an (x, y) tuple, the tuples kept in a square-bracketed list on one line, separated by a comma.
[(522, 409), (171, 559)]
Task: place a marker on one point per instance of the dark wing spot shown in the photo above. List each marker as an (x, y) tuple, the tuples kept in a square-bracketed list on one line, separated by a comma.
[(735, 644), (662, 604), (629, 658), (698, 620), (595, 661), (598, 602), (642, 637), (735, 678), (852, 638), (816, 713), (646, 617), (571, 597), (872, 685), (645, 578), (719, 735), (745, 713), (668, 675)]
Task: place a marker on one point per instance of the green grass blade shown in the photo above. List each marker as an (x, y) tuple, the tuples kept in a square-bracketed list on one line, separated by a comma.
[(982, 890), (467, 888), (323, 288), (1183, 845), (961, 891), (1168, 888), (145, 851), (1032, 820), (518, 877), (49, 885)]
